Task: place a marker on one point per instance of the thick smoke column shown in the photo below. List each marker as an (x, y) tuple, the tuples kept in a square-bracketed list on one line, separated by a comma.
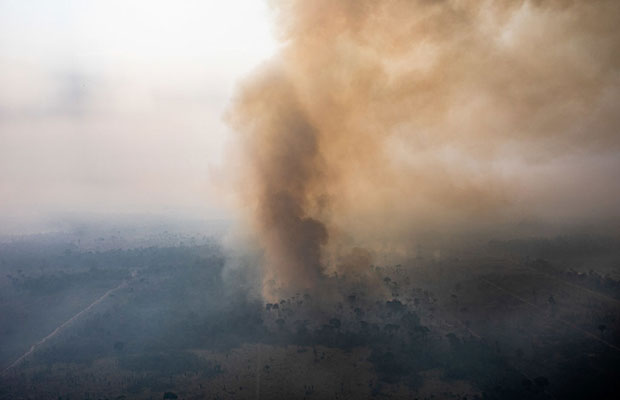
[(379, 120), (282, 146)]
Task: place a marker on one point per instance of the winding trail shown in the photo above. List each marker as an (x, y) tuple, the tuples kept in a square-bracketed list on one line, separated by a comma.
[(565, 322), (35, 346)]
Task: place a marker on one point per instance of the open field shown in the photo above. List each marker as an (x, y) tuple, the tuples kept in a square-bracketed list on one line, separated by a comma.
[(490, 322)]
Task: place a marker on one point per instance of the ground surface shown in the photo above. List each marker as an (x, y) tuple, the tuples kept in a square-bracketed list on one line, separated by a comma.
[(511, 319)]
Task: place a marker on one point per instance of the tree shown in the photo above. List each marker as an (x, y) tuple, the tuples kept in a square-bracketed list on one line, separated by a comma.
[(335, 322), (541, 382)]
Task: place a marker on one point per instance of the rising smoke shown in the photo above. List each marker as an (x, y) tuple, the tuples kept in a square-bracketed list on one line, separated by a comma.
[(381, 120)]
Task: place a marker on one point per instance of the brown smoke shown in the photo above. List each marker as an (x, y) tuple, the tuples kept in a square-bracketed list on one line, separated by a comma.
[(381, 119)]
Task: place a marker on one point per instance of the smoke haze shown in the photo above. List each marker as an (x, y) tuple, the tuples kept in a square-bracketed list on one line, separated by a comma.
[(380, 122), (116, 106)]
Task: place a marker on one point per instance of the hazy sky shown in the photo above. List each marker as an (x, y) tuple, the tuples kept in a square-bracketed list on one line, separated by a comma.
[(425, 114), (116, 105)]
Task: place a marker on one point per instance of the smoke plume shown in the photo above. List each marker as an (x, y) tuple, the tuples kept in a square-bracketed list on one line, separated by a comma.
[(380, 121)]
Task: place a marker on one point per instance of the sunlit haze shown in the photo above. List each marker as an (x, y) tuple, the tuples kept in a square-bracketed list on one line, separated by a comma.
[(116, 106)]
